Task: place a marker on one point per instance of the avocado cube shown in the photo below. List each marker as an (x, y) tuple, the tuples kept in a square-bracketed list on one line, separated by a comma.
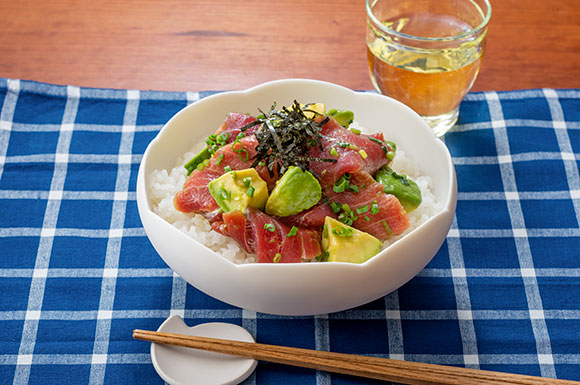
[(196, 160), (342, 117), (238, 190), (401, 186), (343, 243), (296, 191)]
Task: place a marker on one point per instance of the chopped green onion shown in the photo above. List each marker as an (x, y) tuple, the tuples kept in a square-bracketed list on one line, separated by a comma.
[(377, 141), (214, 142), (227, 169), (246, 155), (203, 164), (390, 155), (225, 194), (333, 151), (335, 206), (292, 232), (277, 258), (240, 150), (247, 180), (353, 188), (363, 154), (343, 184), (270, 227), (355, 131), (362, 209), (346, 219), (340, 185), (220, 158), (251, 191), (367, 218), (234, 175), (374, 208), (387, 228), (343, 231), (347, 216)]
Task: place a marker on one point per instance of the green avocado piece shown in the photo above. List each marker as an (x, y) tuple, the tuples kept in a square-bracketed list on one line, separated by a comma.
[(342, 117), (343, 243), (297, 190), (238, 190), (196, 160), (401, 186)]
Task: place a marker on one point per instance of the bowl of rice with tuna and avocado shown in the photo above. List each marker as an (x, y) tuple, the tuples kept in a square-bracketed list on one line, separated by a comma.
[(262, 197)]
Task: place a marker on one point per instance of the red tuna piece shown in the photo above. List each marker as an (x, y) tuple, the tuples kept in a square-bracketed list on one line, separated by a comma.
[(265, 236), (235, 225), (389, 217), (195, 196), (347, 147), (239, 156), (234, 123), (313, 217)]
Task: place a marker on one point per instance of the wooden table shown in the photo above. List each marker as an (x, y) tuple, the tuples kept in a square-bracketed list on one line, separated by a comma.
[(179, 45)]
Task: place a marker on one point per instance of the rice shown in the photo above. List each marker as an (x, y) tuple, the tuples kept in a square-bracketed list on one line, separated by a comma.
[(164, 185), (429, 206)]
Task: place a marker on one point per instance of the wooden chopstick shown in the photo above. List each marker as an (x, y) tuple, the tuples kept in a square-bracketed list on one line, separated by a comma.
[(356, 365)]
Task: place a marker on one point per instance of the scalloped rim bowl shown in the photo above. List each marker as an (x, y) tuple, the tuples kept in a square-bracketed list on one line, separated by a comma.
[(304, 288)]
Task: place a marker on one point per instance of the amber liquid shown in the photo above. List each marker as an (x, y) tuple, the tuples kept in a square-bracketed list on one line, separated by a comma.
[(430, 81)]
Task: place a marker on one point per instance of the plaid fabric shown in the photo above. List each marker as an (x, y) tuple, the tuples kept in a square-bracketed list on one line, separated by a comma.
[(77, 273)]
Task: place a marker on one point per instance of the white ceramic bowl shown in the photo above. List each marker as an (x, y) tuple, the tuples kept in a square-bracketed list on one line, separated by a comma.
[(307, 288)]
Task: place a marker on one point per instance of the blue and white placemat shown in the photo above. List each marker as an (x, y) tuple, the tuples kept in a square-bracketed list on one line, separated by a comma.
[(77, 273)]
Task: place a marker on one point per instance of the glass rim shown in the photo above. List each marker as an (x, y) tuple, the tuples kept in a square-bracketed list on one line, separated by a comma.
[(463, 35)]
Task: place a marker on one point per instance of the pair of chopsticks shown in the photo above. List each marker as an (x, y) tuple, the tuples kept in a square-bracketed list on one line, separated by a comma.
[(362, 366)]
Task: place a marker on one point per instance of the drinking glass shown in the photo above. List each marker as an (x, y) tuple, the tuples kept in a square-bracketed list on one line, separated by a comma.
[(427, 53)]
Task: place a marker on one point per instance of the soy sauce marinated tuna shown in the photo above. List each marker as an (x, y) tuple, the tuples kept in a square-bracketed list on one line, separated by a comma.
[(305, 142)]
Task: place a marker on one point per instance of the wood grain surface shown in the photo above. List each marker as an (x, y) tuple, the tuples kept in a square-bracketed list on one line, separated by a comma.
[(192, 45), (405, 372)]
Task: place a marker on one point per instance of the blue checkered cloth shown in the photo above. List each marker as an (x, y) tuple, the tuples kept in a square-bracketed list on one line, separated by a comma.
[(78, 274)]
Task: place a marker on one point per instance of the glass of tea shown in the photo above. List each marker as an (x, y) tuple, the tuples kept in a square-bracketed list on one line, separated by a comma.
[(427, 53)]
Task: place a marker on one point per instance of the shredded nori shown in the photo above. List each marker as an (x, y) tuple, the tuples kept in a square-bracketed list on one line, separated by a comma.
[(285, 136)]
